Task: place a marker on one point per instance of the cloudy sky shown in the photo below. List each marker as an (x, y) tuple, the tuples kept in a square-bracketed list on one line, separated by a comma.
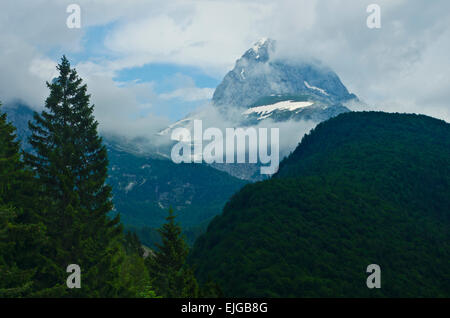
[(148, 63)]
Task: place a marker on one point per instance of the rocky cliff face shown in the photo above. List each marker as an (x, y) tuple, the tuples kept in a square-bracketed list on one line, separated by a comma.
[(256, 75)]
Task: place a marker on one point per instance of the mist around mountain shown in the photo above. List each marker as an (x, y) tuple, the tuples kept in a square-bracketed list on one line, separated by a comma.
[(145, 185), (362, 188), (264, 90), (261, 80)]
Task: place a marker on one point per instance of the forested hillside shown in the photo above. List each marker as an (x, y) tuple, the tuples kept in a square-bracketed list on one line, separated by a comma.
[(144, 188), (361, 188)]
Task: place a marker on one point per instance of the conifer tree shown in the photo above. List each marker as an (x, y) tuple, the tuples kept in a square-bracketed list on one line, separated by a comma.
[(170, 275), (71, 164), (22, 236)]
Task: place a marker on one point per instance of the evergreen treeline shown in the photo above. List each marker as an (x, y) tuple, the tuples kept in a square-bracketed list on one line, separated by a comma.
[(54, 206), (22, 230), (361, 188)]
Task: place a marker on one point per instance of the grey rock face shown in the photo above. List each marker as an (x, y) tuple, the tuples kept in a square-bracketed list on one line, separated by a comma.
[(256, 75)]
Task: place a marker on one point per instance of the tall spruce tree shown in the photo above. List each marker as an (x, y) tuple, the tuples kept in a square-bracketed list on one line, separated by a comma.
[(22, 236), (71, 164), (171, 277)]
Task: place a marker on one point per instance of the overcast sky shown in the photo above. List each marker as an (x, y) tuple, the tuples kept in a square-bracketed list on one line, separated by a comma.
[(148, 63)]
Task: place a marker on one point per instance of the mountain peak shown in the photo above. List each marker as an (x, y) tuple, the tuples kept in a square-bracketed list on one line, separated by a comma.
[(260, 51), (263, 44)]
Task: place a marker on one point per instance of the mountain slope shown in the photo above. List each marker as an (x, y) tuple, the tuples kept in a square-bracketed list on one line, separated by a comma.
[(360, 189), (144, 188)]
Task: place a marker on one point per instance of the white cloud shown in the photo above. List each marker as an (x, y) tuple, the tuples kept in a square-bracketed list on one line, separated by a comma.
[(186, 89), (122, 108), (190, 94), (44, 68), (208, 34), (19, 78), (401, 67)]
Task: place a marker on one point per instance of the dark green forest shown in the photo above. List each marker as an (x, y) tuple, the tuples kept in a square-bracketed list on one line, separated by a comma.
[(361, 188)]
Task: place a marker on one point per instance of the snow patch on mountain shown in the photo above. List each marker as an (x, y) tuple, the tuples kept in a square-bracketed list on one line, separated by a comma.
[(266, 110), (315, 88), (130, 186), (259, 44), (243, 74), (174, 125)]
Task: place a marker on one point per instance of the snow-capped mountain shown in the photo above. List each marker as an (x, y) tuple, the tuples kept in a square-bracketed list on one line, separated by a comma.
[(262, 87), (257, 75)]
